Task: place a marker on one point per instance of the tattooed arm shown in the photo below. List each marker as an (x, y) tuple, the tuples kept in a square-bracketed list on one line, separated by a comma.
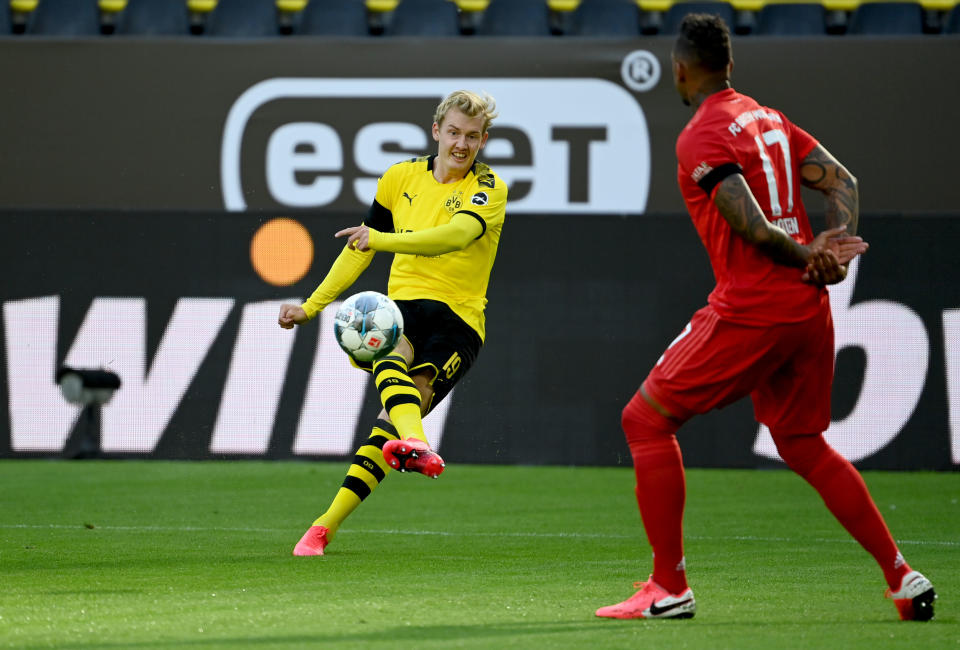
[(822, 172), (741, 210), (824, 259)]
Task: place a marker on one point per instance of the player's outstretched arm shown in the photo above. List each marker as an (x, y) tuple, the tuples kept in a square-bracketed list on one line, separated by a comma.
[(822, 172), (456, 235), (348, 266)]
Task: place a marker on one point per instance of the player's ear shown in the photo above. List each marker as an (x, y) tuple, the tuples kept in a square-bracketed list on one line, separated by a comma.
[(483, 139), (730, 68), (679, 71), (436, 132)]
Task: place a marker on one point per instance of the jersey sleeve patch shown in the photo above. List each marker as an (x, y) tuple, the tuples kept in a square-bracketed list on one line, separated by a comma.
[(485, 177), (379, 218), (716, 175), (480, 198)]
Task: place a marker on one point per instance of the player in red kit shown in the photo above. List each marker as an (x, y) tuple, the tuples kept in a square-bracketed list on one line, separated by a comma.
[(766, 331)]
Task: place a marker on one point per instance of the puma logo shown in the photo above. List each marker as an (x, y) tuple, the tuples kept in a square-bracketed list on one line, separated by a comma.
[(409, 198)]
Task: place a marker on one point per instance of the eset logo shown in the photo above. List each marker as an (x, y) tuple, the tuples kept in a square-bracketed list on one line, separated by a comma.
[(561, 145)]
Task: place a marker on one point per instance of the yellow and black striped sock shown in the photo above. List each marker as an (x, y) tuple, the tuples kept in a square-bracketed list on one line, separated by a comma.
[(363, 477), (399, 396)]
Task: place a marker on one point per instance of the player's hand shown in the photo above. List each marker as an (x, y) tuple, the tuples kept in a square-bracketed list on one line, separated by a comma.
[(824, 268), (358, 237), (830, 253), (848, 247), (291, 315)]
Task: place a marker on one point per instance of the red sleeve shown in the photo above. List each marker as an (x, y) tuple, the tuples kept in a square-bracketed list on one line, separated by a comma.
[(800, 141), (699, 151)]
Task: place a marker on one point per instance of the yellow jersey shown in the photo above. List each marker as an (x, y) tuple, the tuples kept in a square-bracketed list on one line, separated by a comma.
[(410, 199)]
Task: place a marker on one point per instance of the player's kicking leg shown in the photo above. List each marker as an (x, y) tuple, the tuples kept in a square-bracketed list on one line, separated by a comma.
[(403, 398)]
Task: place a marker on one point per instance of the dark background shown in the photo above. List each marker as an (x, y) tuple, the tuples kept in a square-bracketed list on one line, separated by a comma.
[(579, 311), (136, 124)]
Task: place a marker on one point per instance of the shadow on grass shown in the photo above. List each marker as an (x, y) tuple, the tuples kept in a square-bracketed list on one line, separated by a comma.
[(514, 634), (412, 634)]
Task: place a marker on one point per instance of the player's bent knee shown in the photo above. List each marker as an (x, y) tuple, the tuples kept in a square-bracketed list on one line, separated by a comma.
[(801, 452), (640, 420)]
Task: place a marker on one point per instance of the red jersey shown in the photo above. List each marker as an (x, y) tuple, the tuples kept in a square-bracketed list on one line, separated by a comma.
[(732, 129)]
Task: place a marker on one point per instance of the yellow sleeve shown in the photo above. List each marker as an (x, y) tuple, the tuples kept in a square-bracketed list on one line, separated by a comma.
[(453, 236), (345, 270)]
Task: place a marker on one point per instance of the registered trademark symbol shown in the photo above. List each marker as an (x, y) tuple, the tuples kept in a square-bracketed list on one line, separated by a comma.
[(640, 70)]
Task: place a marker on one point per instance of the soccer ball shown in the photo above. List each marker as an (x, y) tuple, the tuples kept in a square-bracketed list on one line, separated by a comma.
[(368, 325)]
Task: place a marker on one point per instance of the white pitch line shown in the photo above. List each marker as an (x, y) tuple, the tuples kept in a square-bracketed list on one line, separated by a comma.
[(442, 533)]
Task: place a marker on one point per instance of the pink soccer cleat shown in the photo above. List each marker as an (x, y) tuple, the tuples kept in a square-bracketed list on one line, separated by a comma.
[(914, 599), (412, 455), (313, 541), (652, 601)]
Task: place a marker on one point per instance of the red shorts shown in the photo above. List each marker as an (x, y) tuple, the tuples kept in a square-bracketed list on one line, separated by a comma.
[(786, 369)]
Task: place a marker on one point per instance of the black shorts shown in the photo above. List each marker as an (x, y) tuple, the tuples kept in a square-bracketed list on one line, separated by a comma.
[(443, 344)]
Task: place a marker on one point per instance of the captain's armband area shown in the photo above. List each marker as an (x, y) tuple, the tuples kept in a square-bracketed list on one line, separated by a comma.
[(379, 218), (716, 176)]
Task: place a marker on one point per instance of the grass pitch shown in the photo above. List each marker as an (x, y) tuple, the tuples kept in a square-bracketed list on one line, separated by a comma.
[(130, 554)]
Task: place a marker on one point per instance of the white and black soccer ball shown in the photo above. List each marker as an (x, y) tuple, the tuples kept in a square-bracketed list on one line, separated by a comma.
[(368, 325)]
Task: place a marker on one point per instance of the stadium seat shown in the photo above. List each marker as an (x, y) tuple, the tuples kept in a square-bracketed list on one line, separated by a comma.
[(890, 18), (289, 14), (783, 19), (20, 14), (65, 18), (111, 11), (605, 18), (561, 14), (340, 18), (745, 15), (675, 14), (199, 12), (470, 14), (516, 18), (952, 23), (154, 18), (651, 15), (380, 15), (935, 14), (836, 17), (243, 19), (424, 18)]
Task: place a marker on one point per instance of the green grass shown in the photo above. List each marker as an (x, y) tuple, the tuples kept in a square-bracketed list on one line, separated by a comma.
[(130, 554)]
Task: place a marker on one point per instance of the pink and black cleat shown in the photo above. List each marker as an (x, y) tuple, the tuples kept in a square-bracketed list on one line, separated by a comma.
[(652, 601), (412, 455)]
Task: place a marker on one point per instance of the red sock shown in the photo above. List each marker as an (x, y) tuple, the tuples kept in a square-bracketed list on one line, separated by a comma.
[(846, 496), (661, 489)]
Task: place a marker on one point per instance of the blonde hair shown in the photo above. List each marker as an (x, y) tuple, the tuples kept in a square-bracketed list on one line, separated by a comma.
[(470, 104)]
